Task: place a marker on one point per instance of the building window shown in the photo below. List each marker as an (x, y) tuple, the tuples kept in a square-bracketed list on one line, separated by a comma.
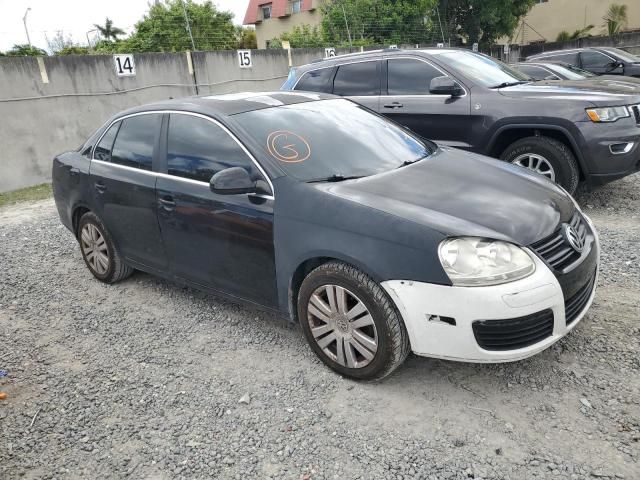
[(266, 11), (295, 6)]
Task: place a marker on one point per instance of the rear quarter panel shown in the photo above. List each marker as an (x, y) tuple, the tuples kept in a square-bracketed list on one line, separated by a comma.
[(70, 180)]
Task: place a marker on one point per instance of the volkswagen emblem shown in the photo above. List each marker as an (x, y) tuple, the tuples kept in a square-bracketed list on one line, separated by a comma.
[(571, 236)]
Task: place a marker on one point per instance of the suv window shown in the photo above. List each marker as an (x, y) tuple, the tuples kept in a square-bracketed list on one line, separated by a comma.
[(537, 73), (103, 149), (317, 80), (592, 59), (198, 149), (571, 58), (135, 141), (410, 77), (357, 79)]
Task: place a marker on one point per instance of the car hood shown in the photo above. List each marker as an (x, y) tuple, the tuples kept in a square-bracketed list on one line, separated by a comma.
[(460, 193), (597, 90)]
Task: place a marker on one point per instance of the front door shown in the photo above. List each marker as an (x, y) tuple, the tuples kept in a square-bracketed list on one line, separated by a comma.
[(224, 242), (599, 63), (441, 118), (123, 188)]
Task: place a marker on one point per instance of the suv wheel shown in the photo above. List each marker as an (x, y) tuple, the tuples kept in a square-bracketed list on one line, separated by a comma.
[(98, 251), (545, 156), (351, 323)]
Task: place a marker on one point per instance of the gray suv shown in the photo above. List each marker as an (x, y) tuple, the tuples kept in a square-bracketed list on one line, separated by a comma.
[(567, 131)]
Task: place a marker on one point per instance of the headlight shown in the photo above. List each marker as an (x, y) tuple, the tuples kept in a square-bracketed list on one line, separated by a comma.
[(472, 261), (607, 114)]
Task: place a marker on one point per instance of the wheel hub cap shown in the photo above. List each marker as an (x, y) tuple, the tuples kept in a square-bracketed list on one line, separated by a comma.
[(342, 326), (94, 248), (536, 163)]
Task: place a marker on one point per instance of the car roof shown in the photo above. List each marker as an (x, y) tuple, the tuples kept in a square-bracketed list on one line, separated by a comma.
[(218, 106), (610, 50), (339, 59)]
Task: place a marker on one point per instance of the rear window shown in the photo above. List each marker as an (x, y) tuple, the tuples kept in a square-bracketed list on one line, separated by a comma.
[(135, 141), (317, 80)]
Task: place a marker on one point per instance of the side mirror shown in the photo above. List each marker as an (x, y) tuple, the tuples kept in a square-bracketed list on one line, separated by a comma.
[(445, 86), (614, 66), (552, 77), (232, 181)]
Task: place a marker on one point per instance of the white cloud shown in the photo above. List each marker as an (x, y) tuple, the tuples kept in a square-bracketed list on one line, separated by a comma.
[(76, 17)]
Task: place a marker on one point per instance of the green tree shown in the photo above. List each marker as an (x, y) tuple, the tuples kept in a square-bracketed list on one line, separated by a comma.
[(304, 37), (246, 38), (73, 50), (164, 28), (26, 50), (615, 19), (581, 33), (563, 36), (377, 21), (482, 21), (108, 31)]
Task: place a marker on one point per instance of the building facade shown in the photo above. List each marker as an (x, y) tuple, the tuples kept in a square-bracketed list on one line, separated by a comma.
[(272, 18), (550, 17)]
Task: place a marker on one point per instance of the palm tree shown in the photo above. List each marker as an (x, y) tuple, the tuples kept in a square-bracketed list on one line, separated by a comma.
[(615, 19), (108, 31)]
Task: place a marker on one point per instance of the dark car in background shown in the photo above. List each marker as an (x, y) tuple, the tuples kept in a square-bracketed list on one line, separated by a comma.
[(598, 60), (552, 71), (376, 241), (566, 131)]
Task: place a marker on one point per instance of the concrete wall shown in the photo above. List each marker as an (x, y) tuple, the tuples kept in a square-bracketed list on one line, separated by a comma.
[(39, 119)]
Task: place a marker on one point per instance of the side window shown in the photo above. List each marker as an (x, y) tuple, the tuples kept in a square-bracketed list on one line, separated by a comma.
[(103, 149), (410, 77), (135, 141), (357, 79), (198, 149), (571, 58), (317, 81), (594, 60)]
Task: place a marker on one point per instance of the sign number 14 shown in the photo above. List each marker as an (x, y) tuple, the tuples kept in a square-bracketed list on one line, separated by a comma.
[(125, 65)]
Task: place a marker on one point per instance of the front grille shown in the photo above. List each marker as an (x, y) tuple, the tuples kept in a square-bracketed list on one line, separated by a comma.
[(575, 305), (555, 249), (513, 333), (636, 112)]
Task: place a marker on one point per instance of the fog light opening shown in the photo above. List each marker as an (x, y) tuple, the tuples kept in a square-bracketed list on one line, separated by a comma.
[(441, 319)]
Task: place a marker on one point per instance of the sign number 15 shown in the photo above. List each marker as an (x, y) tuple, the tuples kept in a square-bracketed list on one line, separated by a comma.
[(244, 58)]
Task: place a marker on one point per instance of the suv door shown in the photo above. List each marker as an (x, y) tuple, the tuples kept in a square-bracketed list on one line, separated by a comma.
[(224, 242), (124, 188), (407, 100), (359, 82), (599, 63)]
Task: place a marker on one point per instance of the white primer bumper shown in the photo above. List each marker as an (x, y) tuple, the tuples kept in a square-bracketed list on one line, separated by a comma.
[(417, 302)]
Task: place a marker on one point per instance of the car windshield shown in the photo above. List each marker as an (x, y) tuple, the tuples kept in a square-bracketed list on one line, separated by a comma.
[(485, 70), (626, 56), (332, 140), (570, 72)]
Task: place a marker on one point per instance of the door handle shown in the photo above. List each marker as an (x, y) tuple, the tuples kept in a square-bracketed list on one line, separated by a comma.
[(100, 187), (393, 105), (74, 171), (167, 202)]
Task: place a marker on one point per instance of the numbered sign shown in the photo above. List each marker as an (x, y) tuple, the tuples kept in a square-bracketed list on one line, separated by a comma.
[(244, 59), (440, 45), (125, 66), (474, 47), (329, 52), (393, 47), (506, 49)]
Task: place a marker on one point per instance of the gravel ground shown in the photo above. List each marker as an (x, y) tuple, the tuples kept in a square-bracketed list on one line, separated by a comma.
[(146, 379)]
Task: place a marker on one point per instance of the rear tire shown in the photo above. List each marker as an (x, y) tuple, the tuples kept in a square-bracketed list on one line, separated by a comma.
[(99, 252), (548, 153), (363, 323)]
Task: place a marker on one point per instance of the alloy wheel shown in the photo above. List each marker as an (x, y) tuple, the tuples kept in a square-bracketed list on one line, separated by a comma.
[(95, 249), (536, 163), (342, 326)]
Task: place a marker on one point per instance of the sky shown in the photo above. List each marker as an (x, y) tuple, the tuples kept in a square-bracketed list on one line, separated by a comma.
[(76, 18)]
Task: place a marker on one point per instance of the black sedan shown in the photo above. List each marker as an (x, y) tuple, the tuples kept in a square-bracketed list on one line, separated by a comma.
[(552, 71), (376, 241), (598, 60)]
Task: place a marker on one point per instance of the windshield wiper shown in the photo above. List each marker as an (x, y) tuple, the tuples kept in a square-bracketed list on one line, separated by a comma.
[(336, 177), (509, 84), (411, 162)]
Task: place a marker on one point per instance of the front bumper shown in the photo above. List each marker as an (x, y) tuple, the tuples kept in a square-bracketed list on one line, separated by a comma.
[(423, 306)]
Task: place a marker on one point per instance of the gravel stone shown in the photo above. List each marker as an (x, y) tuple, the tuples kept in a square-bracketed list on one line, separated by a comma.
[(142, 379)]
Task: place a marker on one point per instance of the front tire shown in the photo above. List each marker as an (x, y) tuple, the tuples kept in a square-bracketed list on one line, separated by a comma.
[(99, 252), (351, 323), (545, 156)]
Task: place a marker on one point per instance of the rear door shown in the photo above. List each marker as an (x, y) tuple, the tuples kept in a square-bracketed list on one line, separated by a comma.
[(360, 82), (407, 100), (223, 242), (123, 185)]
